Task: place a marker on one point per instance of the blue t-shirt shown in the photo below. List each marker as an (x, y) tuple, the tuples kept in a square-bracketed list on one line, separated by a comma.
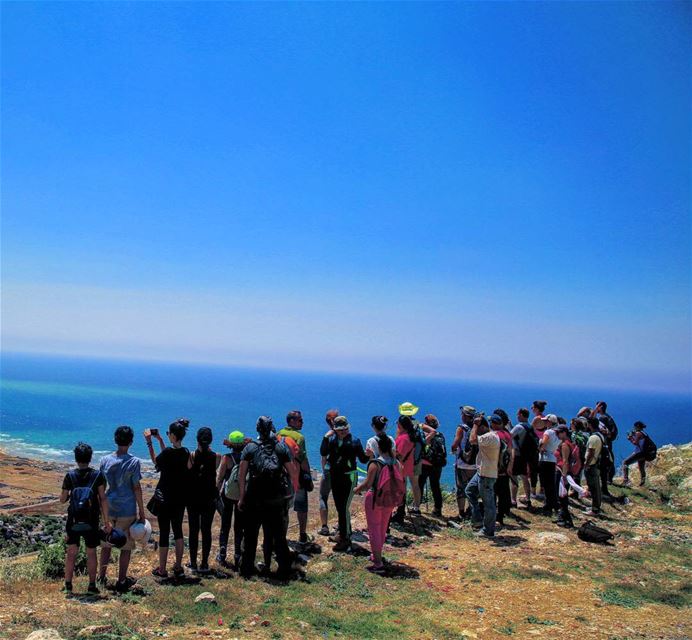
[(122, 474)]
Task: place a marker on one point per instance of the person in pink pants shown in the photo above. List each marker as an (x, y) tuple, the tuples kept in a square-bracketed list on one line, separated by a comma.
[(377, 517)]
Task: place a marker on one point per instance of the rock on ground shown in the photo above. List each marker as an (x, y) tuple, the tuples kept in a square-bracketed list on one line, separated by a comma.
[(44, 634), (94, 630), (207, 596)]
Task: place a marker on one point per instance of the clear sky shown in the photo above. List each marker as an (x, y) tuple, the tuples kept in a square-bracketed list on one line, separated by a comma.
[(483, 190)]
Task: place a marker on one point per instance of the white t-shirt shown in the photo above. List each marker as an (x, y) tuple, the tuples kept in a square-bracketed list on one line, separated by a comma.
[(375, 448), (488, 454), (548, 455)]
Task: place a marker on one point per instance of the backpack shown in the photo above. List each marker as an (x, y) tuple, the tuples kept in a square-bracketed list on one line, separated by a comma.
[(294, 464), (418, 444), (267, 477), (604, 459), (589, 532), (575, 462), (389, 487), (581, 439), (609, 424), (436, 451), (503, 458), (649, 449), (83, 503), (469, 451), (232, 488), (529, 446)]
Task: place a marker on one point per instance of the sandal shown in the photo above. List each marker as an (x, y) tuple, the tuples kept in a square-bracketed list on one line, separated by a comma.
[(156, 572)]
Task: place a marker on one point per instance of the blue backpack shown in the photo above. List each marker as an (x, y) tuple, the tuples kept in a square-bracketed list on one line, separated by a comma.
[(83, 503)]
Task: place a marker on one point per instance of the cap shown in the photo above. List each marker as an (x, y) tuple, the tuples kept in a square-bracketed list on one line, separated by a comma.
[(141, 531), (408, 409), (236, 437), (561, 427), (116, 538), (551, 417), (341, 423), (468, 410), (495, 419), (204, 435)]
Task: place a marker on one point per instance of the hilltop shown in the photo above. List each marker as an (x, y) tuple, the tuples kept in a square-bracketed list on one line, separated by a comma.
[(533, 580)]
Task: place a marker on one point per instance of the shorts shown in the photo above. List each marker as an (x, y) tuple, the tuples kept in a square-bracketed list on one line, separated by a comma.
[(462, 477), (300, 501), (124, 525), (92, 539), (520, 468), (418, 468)]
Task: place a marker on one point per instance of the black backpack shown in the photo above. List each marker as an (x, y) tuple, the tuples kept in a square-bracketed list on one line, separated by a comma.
[(503, 458), (469, 451), (649, 449), (268, 479), (529, 445), (83, 502), (419, 444), (610, 425), (436, 451), (589, 532)]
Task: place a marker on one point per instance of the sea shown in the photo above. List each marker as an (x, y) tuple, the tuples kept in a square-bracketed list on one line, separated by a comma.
[(49, 403)]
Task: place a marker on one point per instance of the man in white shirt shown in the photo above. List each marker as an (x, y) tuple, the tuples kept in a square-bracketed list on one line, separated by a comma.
[(483, 482)]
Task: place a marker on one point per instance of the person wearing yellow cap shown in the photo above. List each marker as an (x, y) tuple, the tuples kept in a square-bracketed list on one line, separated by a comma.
[(227, 484)]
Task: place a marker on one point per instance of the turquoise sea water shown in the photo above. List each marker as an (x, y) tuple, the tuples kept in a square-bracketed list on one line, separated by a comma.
[(47, 404)]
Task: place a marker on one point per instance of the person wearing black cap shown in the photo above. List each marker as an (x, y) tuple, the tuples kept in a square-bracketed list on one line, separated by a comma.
[(203, 494), (264, 496)]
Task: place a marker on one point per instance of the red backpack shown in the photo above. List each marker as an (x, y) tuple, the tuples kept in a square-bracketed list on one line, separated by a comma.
[(389, 487), (574, 458)]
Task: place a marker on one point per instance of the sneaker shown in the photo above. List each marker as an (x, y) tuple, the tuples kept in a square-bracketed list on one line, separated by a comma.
[(305, 538), (324, 530), (67, 587), (414, 511), (92, 589), (380, 570), (179, 572), (591, 512), (437, 513), (192, 566), (564, 525), (125, 585), (482, 534), (476, 525), (204, 570)]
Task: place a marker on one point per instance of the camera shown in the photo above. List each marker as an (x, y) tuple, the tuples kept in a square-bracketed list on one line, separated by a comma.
[(154, 432)]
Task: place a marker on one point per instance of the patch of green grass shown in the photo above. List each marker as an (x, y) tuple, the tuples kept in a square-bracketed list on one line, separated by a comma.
[(117, 631), (616, 597), (633, 595), (675, 479), (507, 630), (535, 620)]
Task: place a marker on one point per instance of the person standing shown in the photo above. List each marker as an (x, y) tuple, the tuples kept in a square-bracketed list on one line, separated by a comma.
[(434, 460), (502, 491), (123, 473), (203, 495), (465, 463), (525, 456), (564, 456), (382, 494), (85, 488), (609, 430), (172, 488), (229, 488), (325, 482), (482, 485), (644, 451), (379, 426), (546, 465), (293, 428), (539, 424), (592, 473), (264, 497), (342, 450)]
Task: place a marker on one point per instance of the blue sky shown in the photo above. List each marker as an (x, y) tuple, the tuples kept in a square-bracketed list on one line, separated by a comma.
[(483, 190)]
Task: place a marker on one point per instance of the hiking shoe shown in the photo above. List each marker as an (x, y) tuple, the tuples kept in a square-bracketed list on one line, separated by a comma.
[(305, 538), (204, 570), (191, 566), (342, 546), (436, 513), (124, 586), (380, 570), (178, 572), (67, 587), (324, 530), (92, 589), (565, 525), (476, 525), (157, 573), (591, 512), (482, 534)]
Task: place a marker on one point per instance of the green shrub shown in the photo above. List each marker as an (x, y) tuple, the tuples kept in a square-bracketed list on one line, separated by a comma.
[(51, 560)]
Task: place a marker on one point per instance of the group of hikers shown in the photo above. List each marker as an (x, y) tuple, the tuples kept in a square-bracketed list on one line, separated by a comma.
[(254, 484)]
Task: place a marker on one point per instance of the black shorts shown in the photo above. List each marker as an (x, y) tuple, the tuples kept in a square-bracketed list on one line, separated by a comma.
[(91, 538)]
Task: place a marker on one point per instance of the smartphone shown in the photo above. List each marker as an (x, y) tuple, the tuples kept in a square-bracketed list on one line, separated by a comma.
[(154, 432)]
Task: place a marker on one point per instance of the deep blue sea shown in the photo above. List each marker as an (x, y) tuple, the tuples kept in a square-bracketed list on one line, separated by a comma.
[(48, 404)]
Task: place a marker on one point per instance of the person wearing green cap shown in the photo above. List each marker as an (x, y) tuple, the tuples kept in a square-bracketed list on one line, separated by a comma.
[(227, 484)]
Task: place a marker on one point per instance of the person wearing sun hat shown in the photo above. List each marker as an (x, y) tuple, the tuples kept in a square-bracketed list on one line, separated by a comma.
[(341, 450), (228, 492)]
